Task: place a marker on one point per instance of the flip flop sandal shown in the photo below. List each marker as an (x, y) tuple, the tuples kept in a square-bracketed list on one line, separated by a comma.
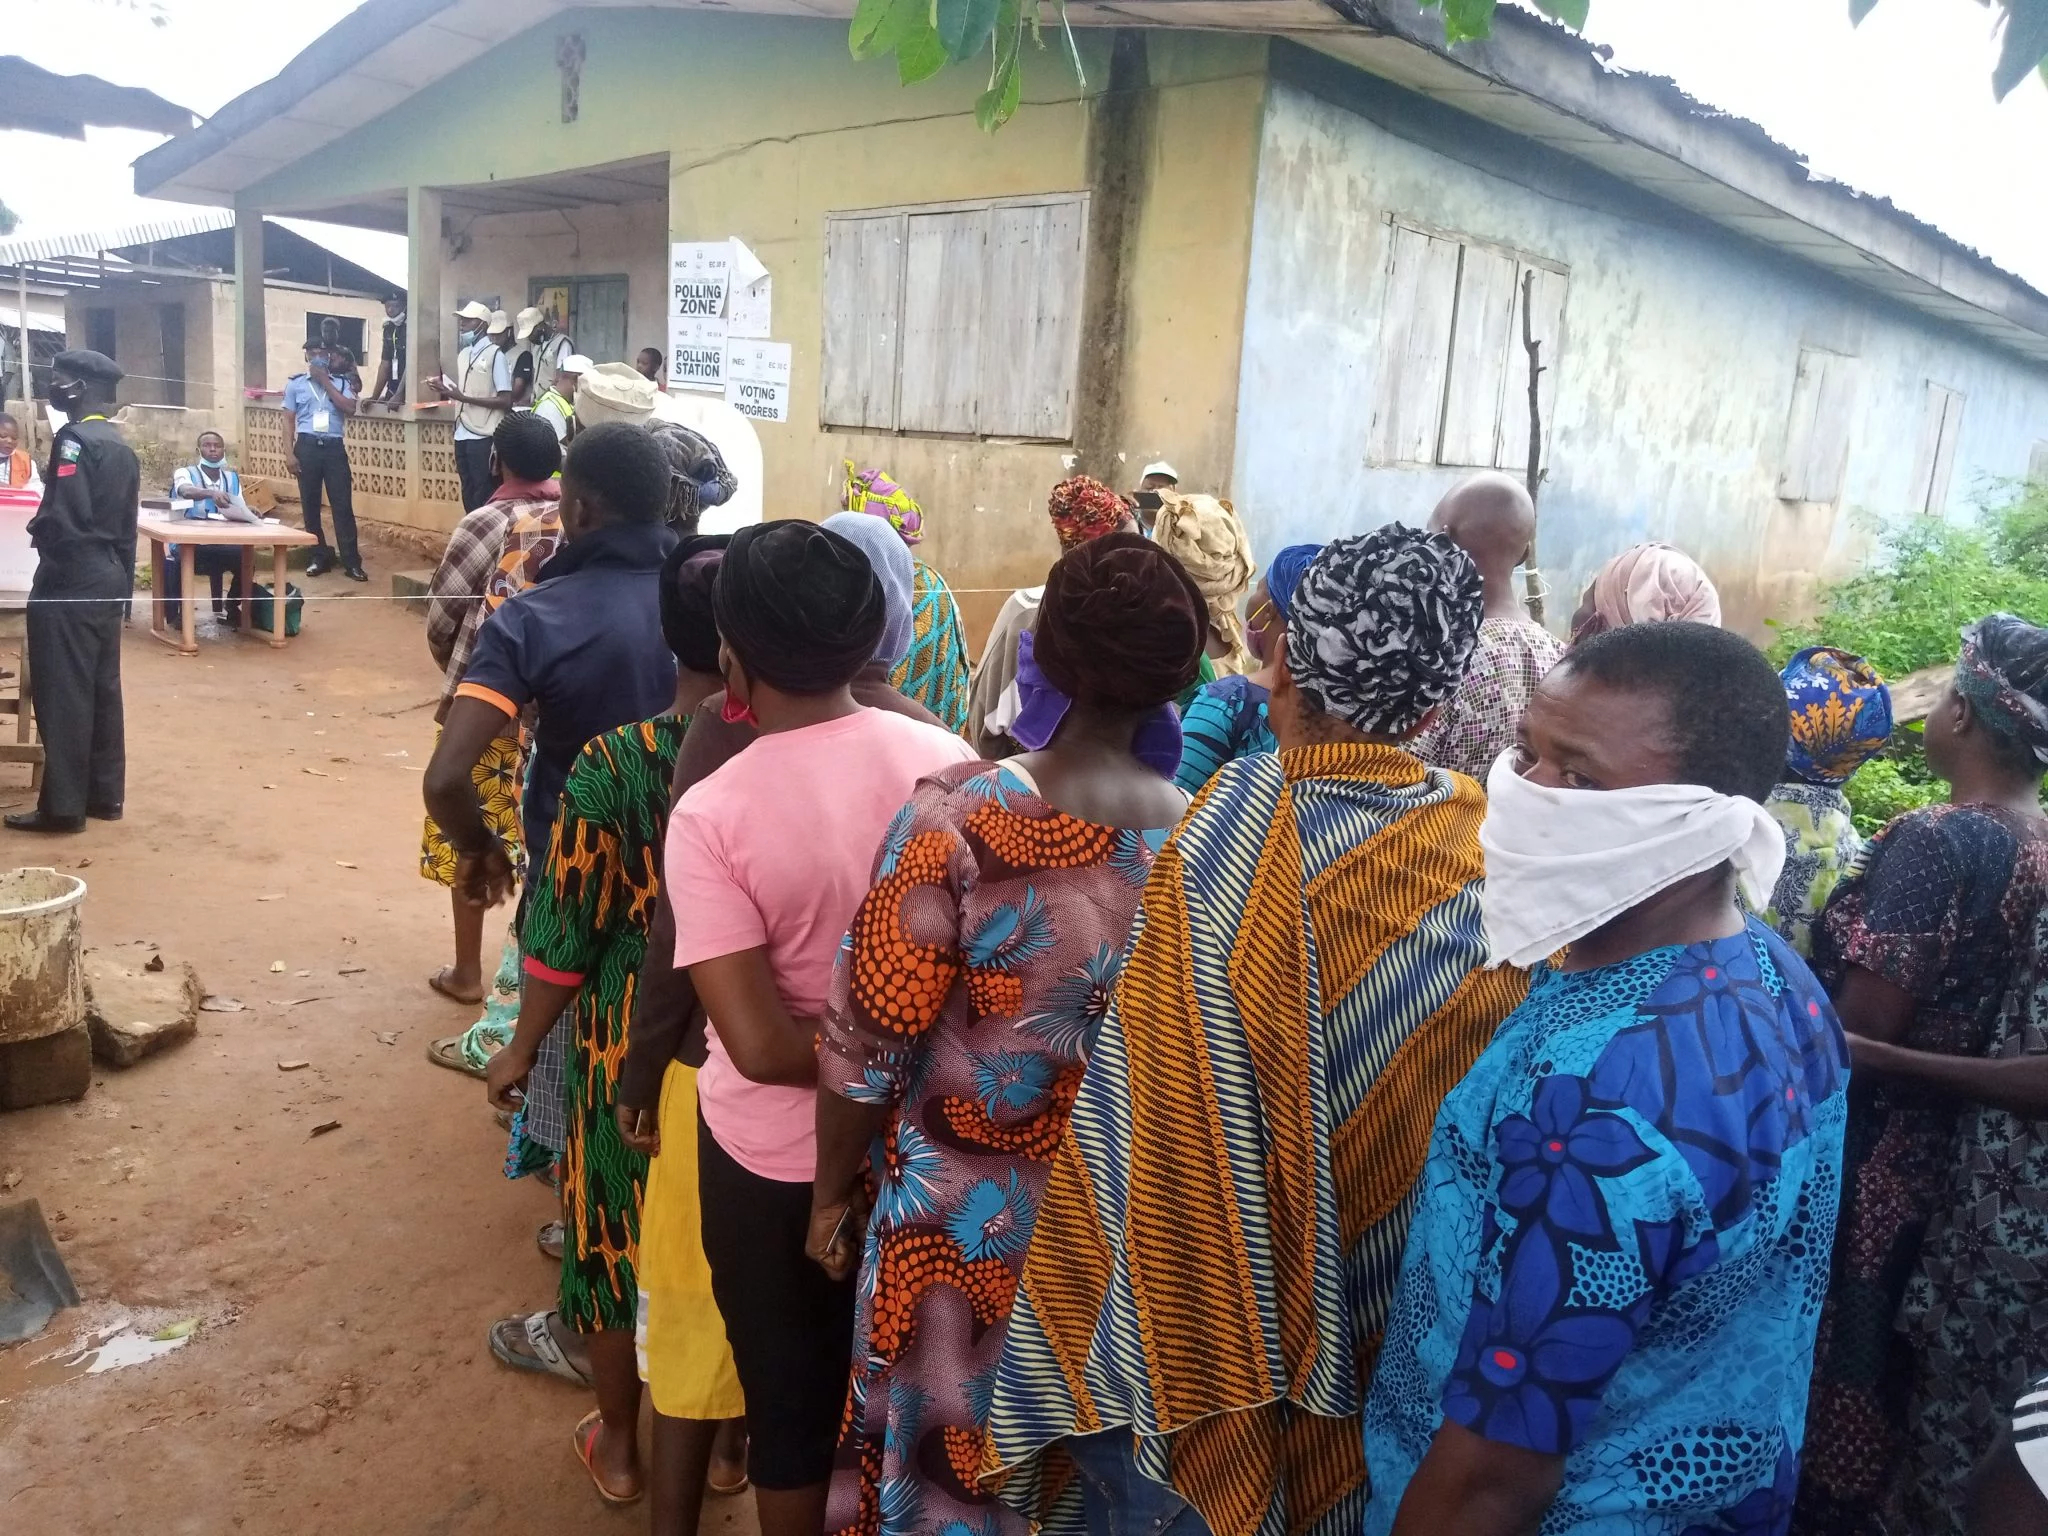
[(726, 1491), (551, 1239), (447, 1052), (439, 982), (546, 1358), (586, 1445)]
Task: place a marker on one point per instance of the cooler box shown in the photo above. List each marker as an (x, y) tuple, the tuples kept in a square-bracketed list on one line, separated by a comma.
[(17, 557)]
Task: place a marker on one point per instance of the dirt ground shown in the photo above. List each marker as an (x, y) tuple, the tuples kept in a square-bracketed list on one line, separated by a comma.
[(340, 1381)]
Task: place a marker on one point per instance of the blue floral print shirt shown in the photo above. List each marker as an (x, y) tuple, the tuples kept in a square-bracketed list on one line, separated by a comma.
[(1621, 1243)]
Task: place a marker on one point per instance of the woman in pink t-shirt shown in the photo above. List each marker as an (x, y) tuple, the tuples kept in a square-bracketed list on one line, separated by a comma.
[(766, 861)]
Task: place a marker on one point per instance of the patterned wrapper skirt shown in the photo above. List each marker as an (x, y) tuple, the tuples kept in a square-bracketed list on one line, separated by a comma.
[(498, 775)]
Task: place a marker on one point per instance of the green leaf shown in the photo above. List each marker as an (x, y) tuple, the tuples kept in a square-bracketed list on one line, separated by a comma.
[(1571, 12), (998, 104), (965, 26), (868, 19), (920, 56), (897, 23), (1466, 20), (1858, 9), (2025, 45)]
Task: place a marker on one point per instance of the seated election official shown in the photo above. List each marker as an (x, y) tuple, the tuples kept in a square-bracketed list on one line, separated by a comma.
[(84, 536), (202, 490)]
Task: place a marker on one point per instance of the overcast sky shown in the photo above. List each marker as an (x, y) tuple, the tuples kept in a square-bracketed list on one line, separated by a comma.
[(1900, 106)]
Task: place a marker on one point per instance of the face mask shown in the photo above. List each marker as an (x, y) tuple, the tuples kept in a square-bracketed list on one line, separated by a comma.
[(1561, 863), (212, 463), (737, 713), (67, 397)]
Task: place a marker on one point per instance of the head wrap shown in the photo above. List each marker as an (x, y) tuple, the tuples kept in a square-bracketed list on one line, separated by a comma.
[(798, 605), (613, 392), (1284, 575), (1652, 582), (871, 491), (1122, 624), (1156, 742), (688, 576), (894, 569), (1204, 534), (1382, 627), (2003, 673), (697, 475), (1082, 509), (1841, 714)]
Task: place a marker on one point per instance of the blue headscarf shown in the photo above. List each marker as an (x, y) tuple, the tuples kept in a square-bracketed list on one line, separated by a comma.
[(1285, 573), (890, 557), (1841, 714)]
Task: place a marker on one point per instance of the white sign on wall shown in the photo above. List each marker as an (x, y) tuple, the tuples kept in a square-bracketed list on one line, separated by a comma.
[(696, 352), (757, 379), (698, 271), (750, 297)]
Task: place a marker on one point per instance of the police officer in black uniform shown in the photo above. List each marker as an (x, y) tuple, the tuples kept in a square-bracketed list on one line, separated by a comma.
[(84, 534)]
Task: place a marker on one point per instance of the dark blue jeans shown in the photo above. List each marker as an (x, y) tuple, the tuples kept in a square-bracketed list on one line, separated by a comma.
[(1119, 1500)]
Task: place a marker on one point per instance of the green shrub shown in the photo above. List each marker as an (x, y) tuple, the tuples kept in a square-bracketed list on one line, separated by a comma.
[(1886, 787)]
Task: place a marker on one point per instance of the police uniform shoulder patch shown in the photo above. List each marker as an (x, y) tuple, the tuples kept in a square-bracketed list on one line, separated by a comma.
[(70, 450)]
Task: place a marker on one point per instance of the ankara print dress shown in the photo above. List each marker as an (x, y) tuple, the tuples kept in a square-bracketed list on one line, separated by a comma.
[(975, 976)]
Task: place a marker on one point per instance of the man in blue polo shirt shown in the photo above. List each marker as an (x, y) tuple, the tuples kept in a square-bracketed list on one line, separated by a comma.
[(316, 404)]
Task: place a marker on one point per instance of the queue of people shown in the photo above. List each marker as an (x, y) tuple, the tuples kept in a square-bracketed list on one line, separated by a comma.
[(1291, 1047)]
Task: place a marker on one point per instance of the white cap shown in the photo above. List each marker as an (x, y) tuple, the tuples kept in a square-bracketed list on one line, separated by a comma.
[(499, 321), (528, 319), (614, 392), (576, 362), (472, 311), (1161, 467)]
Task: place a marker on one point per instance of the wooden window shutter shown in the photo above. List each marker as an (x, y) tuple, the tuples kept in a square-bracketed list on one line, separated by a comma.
[(864, 262), (945, 263), (1479, 358), (1414, 350), (1031, 323)]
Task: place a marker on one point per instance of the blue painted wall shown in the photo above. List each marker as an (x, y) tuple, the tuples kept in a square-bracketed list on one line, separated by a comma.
[(1675, 375)]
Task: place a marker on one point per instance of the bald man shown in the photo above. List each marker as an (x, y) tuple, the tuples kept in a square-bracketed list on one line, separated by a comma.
[(1491, 518)]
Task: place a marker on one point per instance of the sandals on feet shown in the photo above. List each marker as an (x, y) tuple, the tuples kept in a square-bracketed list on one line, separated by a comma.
[(550, 1240), (587, 1429), (447, 1052), (543, 1356), (439, 982)]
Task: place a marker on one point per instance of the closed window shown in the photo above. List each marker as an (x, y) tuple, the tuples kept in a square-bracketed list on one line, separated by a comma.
[(1817, 432), (958, 318), (99, 331), (1454, 367), (1934, 454)]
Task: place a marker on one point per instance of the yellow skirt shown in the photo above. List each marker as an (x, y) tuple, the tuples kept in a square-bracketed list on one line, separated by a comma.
[(498, 777), (684, 1357)]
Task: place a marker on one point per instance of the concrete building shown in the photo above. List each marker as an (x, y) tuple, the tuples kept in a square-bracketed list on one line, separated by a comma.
[(1283, 243), (160, 299)]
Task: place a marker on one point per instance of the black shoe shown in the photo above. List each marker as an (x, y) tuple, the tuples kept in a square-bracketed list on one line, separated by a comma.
[(319, 563), (104, 813), (36, 821), (355, 573)]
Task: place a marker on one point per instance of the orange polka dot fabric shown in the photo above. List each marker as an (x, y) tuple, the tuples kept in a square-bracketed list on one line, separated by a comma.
[(973, 980)]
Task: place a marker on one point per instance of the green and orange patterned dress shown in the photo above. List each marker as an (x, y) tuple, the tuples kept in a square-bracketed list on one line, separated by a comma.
[(586, 926)]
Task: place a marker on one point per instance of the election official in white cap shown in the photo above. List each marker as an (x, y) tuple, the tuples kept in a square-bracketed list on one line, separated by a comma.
[(483, 390)]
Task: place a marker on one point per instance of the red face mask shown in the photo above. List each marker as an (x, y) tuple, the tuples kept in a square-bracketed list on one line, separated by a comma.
[(737, 713)]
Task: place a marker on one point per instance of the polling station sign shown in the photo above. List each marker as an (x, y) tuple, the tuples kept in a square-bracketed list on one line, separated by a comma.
[(757, 379), (698, 272), (696, 353)]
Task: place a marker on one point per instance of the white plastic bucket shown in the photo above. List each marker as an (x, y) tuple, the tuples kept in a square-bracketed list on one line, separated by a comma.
[(42, 954)]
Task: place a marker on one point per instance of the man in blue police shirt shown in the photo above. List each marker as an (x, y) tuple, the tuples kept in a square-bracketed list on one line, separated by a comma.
[(316, 403), (84, 534)]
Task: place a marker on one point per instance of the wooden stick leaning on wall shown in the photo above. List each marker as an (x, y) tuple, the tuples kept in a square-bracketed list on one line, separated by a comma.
[(1532, 576)]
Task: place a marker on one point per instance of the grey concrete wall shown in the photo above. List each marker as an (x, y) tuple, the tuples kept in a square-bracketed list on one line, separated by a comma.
[(1676, 372)]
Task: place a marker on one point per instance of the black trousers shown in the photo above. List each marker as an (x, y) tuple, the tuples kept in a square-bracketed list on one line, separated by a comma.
[(75, 609), (791, 1328), (473, 468), (323, 464), (213, 561)]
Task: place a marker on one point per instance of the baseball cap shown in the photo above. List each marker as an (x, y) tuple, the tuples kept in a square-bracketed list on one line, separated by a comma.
[(472, 311), (499, 321), (575, 362), (528, 319), (1160, 467)]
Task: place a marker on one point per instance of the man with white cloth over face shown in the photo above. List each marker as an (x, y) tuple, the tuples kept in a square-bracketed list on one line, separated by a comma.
[(1606, 1315)]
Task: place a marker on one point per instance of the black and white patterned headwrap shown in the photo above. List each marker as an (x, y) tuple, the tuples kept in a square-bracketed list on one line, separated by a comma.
[(1382, 626)]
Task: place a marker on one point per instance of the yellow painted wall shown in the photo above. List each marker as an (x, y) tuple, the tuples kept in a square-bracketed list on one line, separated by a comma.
[(769, 126)]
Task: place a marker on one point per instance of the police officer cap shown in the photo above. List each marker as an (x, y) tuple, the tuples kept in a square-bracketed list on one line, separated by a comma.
[(84, 363)]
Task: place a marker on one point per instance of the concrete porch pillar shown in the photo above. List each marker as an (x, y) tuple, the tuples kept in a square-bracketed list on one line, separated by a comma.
[(425, 322), (251, 342)]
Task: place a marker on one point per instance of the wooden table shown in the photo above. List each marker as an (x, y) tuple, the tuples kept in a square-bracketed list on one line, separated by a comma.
[(190, 533)]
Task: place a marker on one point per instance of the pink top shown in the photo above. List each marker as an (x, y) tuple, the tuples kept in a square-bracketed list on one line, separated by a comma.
[(776, 848)]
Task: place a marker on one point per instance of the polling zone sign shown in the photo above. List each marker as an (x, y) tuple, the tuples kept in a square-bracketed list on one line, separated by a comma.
[(698, 271), (757, 379)]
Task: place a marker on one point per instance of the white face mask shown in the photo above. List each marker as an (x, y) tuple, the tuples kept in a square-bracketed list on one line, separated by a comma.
[(1561, 863)]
